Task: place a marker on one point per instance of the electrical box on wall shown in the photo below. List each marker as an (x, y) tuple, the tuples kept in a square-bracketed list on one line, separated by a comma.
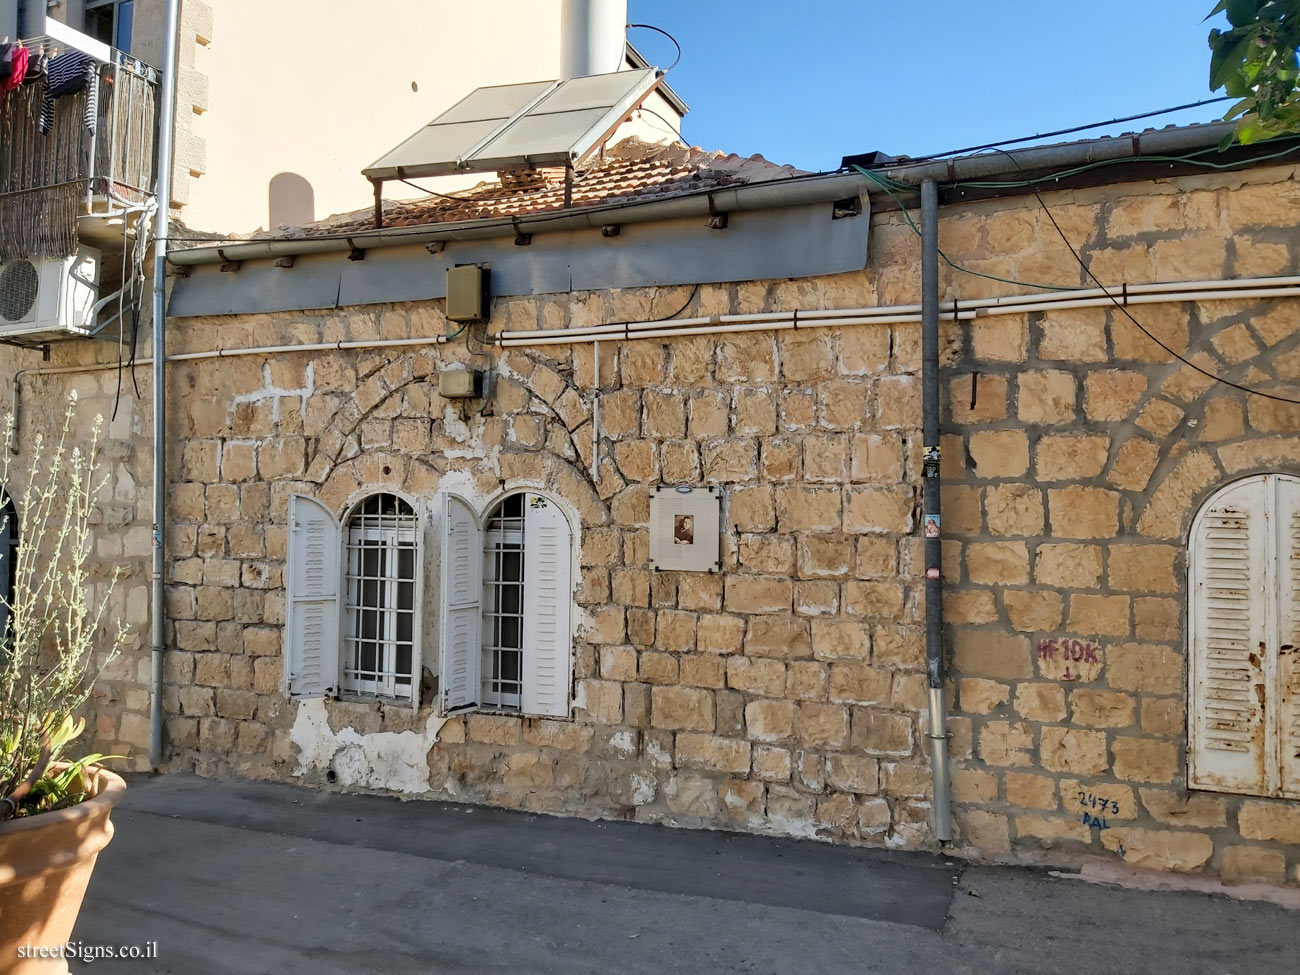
[(468, 293), (685, 529), (460, 384)]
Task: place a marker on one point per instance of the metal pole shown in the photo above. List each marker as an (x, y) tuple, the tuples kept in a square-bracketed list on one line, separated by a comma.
[(930, 507), (166, 130)]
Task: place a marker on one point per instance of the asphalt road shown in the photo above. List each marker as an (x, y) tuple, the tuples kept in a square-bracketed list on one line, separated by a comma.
[(230, 877)]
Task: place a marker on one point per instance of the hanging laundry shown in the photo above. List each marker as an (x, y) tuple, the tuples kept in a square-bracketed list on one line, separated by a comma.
[(36, 63), (13, 68), (68, 74)]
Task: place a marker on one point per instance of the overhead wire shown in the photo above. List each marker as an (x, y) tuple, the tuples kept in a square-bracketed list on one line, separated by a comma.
[(1127, 314), (667, 35), (1076, 128)]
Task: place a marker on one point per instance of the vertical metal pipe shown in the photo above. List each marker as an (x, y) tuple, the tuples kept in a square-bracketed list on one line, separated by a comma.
[(938, 733), (595, 411), (166, 130)]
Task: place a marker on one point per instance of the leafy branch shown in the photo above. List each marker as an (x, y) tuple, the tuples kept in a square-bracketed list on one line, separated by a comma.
[(1255, 62)]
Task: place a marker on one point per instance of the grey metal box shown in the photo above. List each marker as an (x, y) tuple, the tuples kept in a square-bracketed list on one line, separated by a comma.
[(467, 293)]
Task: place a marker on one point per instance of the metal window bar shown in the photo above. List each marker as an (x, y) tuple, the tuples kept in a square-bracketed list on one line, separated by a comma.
[(379, 634), (503, 602)]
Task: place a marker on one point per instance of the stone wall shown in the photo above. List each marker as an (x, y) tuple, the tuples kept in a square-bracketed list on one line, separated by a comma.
[(785, 694)]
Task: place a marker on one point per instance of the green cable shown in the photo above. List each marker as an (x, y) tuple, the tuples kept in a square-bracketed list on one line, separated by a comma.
[(883, 183)]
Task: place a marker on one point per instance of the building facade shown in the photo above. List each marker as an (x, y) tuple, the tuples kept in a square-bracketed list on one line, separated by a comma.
[(474, 614)]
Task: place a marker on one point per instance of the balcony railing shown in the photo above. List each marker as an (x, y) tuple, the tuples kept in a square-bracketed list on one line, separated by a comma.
[(48, 179)]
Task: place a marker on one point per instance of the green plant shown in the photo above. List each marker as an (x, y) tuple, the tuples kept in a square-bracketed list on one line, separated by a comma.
[(51, 646), (1255, 61)]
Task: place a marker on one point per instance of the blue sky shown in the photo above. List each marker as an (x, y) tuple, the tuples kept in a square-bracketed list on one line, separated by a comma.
[(808, 82)]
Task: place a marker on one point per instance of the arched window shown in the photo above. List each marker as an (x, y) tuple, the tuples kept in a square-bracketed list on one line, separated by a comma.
[(507, 590), (379, 609), (1244, 628)]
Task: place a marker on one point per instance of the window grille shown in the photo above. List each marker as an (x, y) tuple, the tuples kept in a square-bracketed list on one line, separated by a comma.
[(503, 617), (380, 609)]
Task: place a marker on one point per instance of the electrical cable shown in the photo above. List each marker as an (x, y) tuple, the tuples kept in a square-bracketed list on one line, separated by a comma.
[(884, 185), (689, 298), (667, 35), (1087, 270), (1075, 128)]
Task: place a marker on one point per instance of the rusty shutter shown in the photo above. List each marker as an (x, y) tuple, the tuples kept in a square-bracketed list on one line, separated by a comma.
[(1287, 684), (1229, 619)]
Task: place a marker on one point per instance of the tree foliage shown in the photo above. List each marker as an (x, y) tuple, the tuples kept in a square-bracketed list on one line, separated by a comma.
[(1255, 62)]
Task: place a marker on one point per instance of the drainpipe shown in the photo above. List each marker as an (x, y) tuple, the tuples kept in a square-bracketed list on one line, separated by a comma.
[(930, 507), (162, 227)]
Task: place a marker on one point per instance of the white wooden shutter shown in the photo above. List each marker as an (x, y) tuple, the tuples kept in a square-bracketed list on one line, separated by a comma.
[(461, 611), (1229, 621), (1286, 700), (548, 641), (312, 608)]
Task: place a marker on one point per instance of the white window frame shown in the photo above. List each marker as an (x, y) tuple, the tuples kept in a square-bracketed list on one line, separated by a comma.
[(1267, 552), (406, 530)]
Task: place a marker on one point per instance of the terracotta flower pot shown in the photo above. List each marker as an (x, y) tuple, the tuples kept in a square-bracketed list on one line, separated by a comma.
[(45, 865)]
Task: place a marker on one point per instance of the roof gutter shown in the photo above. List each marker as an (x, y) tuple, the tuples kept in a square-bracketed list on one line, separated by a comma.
[(770, 195), (774, 194)]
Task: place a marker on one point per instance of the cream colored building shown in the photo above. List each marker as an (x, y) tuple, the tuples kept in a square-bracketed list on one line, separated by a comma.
[(269, 133)]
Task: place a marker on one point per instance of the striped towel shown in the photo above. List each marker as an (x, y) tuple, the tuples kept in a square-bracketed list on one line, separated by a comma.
[(68, 74)]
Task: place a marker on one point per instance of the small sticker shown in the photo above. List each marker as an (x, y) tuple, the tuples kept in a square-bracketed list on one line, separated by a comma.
[(932, 573), (931, 526), (930, 462), (537, 501)]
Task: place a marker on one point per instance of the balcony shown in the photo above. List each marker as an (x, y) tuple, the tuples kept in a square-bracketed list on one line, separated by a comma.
[(70, 182)]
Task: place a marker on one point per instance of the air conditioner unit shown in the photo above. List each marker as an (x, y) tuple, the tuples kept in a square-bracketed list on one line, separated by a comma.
[(49, 298)]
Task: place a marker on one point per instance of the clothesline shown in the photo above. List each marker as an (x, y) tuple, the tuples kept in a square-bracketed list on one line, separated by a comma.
[(60, 75)]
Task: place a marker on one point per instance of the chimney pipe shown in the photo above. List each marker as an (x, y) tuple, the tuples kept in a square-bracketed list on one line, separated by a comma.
[(593, 34)]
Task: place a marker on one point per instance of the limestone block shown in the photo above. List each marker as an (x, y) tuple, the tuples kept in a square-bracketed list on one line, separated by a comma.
[(1176, 809), (720, 634), (826, 457), (1083, 512), (999, 453), (756, 675), (1095, 708), (853, 773), (779, 459), (1160, 849), (778, 637), (1073, 750), (979, 696), (1068, 565), (879, 510), (801, 508), (974, 400), (1033, 610), (1252, 864), (986, 652), (1143, 568), (770, 721), (882, 732), (755, 412), (771, 764), (699, 751), (1046, 396), (1052, 830), (1145, 667), (997, 563), (1099, 615), (1013, 509), (855, 682), (682, 708), (822, 725), (1029, 791), (1040, 701), (806, 681), (1006, 743), (757, 594), (1275, 821), (974, 785)]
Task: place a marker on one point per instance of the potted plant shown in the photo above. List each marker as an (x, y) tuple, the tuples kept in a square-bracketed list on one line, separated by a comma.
[(54, 805)]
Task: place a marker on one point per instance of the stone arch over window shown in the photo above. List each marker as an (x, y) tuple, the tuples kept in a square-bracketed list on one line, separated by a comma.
[(1244, 638)]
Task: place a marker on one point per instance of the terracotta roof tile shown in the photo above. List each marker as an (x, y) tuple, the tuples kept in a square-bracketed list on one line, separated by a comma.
[(632, 170)]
